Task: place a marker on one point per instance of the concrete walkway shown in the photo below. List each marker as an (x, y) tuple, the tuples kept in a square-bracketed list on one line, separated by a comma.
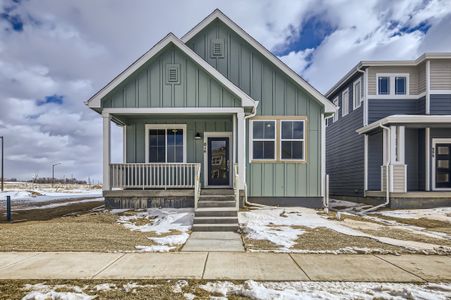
[(225, 265), (214, 241)]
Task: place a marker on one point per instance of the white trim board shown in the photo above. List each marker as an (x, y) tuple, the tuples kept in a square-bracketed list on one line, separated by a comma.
[(95, 101), (406, 119), (225, 134), (434, 142), (217, 14), (173, 110)]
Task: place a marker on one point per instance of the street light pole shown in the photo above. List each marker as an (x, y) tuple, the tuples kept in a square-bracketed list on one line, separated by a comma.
[(53, 172), (3, 179)]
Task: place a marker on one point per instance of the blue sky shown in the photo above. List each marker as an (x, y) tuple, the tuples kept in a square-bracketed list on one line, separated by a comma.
[(55, 54)]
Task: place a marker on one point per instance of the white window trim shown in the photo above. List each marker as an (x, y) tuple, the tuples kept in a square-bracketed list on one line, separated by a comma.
[(345, 106), (335, 117), (359, 103), (282, 139), (252, 140), (392, 77), (165, 127)]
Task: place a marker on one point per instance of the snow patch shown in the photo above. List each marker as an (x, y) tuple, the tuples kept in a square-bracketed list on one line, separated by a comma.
[(440, 214)]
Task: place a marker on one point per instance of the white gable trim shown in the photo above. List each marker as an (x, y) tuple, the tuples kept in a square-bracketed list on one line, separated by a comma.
[(328, 106), (95, 101)]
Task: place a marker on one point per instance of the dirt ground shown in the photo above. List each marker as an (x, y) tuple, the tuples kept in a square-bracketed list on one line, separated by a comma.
[(148, 289), (96, 231)]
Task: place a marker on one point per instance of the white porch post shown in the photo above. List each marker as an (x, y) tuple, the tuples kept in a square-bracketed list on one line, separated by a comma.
[(106, 150), (427, 158), (241, 156)]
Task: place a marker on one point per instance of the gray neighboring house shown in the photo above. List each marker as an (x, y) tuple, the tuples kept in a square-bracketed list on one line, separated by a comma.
[(394, 121), (209, 120)]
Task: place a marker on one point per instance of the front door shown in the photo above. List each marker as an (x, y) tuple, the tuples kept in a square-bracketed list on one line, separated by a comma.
[(218, 161), (443, 166)]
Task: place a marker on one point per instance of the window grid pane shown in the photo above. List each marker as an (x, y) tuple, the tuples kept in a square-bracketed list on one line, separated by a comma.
[(166, 145), (292, 140), (400, 85), (384, 85)]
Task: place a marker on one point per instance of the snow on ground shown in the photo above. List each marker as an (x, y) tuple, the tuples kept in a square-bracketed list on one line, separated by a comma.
[(279, 226), (329, 290), (440, 214), (43, 291), (161, 222), (59, 204)]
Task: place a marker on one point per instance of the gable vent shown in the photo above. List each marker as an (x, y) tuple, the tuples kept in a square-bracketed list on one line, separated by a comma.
[(217, 48), (172, 74)]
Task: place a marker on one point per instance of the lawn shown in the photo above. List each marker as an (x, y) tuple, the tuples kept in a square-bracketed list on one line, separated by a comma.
[(191, 289)]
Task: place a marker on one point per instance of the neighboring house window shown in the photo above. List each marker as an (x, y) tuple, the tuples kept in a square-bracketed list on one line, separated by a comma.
[(335, 118), (392, 84), (357, 93), (263, 140), (165, 143), (400, 85), (383, 83), (292, 140), (345, 103)]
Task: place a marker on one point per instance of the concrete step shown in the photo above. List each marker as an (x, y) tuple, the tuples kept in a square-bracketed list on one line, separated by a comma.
[(216, 212), (217, 192), (215, 227), (217, 197), (202, 204), (215, 220)]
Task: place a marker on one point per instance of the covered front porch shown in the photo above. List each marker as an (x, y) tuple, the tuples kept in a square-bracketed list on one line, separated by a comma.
[(169, 155), (409, 157)]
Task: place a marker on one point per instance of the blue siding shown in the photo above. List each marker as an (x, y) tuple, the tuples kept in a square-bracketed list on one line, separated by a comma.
[(375, 161), (440, 104), (345, 155), (381, 108), (412, 159)]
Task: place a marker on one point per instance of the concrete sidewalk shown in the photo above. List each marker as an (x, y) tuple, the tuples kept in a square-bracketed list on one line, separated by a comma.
[(225, 265)]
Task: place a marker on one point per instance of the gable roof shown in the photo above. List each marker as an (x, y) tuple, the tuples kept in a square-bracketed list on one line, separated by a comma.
[(95, 101), (217, 14)]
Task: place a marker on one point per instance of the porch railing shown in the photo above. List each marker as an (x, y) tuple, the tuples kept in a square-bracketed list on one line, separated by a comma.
[(154, 175), (197, 186)]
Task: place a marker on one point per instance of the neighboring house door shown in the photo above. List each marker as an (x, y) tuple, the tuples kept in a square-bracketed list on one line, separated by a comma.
[(443, 166), (218, 161)]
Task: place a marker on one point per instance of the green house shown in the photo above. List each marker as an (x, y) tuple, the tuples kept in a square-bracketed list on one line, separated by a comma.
[(213, 114)]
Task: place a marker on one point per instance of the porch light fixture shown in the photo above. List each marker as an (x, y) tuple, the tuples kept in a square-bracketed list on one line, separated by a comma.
[(197, 136)]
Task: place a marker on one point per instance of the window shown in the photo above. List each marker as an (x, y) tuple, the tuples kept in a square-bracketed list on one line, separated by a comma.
[(345, 103), (400, 85), (165, 143), (263, 140), (358, 93), (291, 140), (335, 118), (383, 85)]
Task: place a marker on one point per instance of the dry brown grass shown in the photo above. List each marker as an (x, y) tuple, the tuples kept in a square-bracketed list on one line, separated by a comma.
[(151, 289), (402, 234), (87, 232), (430, 224), (321, 239)]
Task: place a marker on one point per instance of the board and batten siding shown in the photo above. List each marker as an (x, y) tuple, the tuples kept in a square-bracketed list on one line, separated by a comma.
[(135, 132), (414, 86), (440, 74), (147, 87), (278, 95)]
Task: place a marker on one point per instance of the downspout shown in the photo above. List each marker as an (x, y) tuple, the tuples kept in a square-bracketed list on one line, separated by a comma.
[(251, 115), (387, 174)]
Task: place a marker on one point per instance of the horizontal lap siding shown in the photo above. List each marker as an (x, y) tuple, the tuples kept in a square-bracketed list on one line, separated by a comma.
[(440, 74), (147, 87), (345, 155), (278, 95), (381, 108), (413, 159), (441, 104), (375, 161)]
